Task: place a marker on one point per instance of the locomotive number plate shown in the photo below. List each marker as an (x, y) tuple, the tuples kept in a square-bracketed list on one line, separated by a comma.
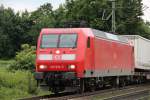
[(58, 67)]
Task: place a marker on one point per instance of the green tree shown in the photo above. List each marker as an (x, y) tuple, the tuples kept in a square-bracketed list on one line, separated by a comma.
[(128, 14), (59, 16), (13, 31), (128, 18), (43, 17), (7, 32)]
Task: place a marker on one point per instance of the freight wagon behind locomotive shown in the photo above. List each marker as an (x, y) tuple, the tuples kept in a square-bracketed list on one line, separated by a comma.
[(141, 53), (82, 58)]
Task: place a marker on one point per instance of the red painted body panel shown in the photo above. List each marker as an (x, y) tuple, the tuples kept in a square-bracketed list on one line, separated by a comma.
[(112, 56), (103, 55)]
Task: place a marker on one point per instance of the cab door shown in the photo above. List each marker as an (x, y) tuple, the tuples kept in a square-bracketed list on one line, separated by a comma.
[(89, 59)]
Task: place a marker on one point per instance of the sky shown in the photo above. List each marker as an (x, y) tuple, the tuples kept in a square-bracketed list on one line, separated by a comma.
[(31, 5), (146, 8)]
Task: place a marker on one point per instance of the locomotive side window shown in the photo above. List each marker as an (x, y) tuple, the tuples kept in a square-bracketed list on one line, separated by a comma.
[(68, 40), (49, 41), (88, 42)]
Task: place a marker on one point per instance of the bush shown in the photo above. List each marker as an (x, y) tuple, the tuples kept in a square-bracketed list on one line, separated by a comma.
[(25, 59)]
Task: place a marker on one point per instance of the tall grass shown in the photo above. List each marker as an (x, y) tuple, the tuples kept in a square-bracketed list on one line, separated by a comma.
[(5, 63), (16, 84)]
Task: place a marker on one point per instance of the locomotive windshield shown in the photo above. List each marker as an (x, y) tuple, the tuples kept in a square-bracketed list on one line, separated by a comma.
[(49, 41), (59, 41), (68, 40)]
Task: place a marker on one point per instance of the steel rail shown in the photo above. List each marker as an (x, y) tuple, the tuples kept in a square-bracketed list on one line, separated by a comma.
[(66, 96)]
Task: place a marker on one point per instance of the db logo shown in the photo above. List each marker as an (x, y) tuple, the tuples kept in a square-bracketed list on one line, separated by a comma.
[(56, 57)]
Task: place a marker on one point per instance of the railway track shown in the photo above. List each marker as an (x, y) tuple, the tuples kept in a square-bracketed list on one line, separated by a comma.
[(107, 94), (137, 95), (129, 93)]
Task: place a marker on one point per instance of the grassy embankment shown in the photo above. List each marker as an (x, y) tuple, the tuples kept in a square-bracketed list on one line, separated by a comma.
[(16, 84)]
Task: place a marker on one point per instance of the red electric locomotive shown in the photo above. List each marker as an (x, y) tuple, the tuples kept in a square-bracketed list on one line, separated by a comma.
[(82, 58)]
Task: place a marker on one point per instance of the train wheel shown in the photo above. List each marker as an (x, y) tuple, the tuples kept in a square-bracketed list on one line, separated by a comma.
[(82, 86), (100, 85), (55, 90), (117, 82), (114, 84), (122, 83), (92, 86)]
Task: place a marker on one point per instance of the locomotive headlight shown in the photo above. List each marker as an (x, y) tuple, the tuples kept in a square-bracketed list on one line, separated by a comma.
[(57, 52), (71, 66), (42, 67)]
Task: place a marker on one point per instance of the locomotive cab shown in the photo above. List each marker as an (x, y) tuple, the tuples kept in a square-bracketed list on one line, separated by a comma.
[(60, 57)]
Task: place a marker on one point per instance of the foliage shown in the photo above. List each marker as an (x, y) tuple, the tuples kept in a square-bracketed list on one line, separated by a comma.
[(128, 14), (144, 30), (43, 18), (24, 59), (13, 28), (15, 85), (5, 63), (128, 17)]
